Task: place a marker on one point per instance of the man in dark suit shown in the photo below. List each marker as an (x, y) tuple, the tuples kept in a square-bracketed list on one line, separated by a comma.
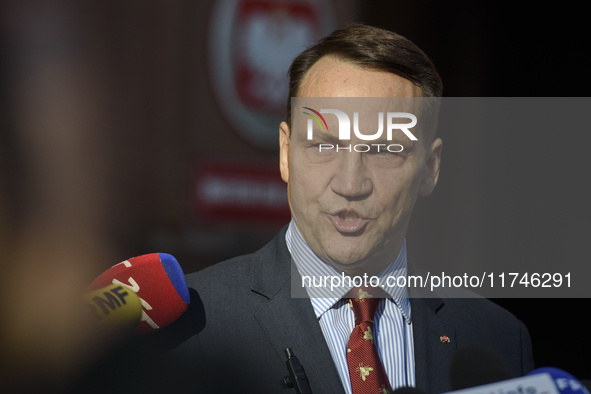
[(350, 213)]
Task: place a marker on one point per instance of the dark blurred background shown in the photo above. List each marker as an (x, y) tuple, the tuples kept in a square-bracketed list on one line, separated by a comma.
[(131, 127)]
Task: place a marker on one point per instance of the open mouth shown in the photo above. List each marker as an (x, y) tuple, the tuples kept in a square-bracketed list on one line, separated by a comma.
[(348, 216), (348, 221)]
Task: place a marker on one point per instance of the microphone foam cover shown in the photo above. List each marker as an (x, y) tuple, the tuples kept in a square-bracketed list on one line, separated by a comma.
[(176, 275), (113, 307), (159, 282)]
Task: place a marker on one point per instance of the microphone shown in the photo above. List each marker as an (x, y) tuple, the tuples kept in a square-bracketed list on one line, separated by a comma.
[(564, 382), (297, 376), (539, 381), (477, 364), (114, 308), (158, 281), (169, 312), (535, 384)]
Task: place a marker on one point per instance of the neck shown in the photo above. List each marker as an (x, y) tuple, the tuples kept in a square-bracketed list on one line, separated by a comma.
[(373, 265)]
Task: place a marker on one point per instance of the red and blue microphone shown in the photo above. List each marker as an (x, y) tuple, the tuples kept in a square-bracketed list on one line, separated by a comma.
[(159, 282)]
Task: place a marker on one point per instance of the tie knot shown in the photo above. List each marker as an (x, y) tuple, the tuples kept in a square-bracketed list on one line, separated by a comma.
[(364, 305)]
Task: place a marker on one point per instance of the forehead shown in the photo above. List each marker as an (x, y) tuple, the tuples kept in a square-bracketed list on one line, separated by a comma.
[(331, 77)]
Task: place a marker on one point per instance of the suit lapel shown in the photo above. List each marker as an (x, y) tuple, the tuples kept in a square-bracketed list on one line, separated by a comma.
[(291, 322)]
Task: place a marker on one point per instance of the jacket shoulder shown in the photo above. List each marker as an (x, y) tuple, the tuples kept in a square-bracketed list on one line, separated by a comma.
[(226, 273)]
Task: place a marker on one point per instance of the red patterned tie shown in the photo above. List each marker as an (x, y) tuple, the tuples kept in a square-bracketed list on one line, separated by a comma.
[(366, 371)]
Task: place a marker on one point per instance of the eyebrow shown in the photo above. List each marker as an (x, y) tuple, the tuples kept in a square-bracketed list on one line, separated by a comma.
[(324, 136), (401, 141), (321, 135)]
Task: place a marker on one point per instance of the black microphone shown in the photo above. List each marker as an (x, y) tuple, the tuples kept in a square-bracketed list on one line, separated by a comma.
[(477, 364), (297, 376)]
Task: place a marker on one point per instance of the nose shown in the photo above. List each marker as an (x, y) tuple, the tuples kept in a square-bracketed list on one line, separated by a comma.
[(351, 178)]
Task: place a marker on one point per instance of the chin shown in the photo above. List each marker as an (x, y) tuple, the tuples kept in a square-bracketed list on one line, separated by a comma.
[(347, 258)]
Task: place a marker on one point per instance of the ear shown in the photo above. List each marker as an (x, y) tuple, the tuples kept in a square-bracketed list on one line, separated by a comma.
[(432, 164), (284, 151)]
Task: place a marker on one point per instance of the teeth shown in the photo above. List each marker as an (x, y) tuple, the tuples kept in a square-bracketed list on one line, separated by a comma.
[(350, 216)]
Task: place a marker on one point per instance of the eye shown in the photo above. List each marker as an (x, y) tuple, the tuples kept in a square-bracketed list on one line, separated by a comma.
[(322, 148), (380, 151)]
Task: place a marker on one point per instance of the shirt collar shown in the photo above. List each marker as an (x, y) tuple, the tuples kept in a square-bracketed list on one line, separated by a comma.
[(309, 264)]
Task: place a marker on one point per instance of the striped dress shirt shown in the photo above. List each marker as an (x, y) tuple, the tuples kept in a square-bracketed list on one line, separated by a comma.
[(392, 323)]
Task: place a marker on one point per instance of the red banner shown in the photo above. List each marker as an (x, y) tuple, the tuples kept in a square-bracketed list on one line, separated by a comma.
[(240, 191)]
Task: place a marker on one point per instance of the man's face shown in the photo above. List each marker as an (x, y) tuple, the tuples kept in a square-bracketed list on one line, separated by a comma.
[(353, 208)]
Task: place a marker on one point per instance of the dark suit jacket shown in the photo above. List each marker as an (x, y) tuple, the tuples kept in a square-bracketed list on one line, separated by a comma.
[(251, 319)]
